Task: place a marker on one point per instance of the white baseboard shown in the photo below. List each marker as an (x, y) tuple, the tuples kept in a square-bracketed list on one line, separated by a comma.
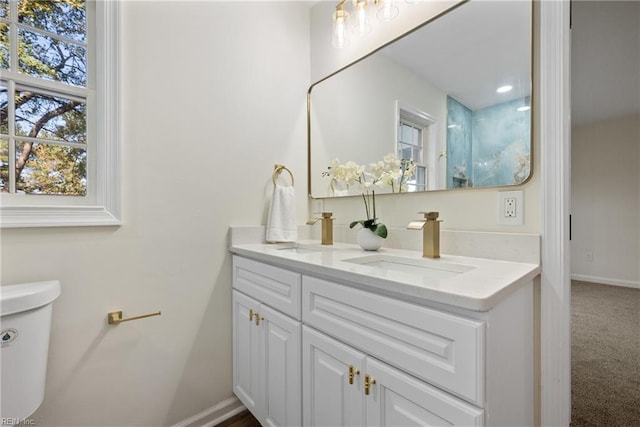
[(214, 415), (606, 281)]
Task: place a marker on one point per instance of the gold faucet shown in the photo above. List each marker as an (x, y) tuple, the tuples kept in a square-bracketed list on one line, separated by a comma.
[(327, 227), (430, 227)]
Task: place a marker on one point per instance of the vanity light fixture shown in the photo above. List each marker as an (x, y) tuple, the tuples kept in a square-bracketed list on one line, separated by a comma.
[(361, 24), (387, 10), (504, 89), (340, 26)]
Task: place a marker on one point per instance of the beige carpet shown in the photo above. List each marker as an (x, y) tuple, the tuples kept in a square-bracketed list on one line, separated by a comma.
[(605, 355)]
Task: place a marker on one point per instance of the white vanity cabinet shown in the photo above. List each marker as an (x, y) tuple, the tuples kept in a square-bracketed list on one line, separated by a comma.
[(354, 356), (345, 387), (431, 366), (267, 343)]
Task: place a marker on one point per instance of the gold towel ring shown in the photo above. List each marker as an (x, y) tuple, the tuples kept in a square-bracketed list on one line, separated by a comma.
[(277, 170)]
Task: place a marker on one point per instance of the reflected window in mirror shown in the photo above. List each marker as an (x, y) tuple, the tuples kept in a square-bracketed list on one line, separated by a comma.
[(413, 134), (410, 147)]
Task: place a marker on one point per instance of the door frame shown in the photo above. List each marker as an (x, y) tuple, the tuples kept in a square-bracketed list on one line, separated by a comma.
[(554, 114)]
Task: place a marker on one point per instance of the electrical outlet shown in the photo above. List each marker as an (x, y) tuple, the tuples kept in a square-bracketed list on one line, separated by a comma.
[(588, 256), (510, 207)]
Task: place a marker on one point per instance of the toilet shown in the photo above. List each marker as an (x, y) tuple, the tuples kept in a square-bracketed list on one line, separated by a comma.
[(25, 324)]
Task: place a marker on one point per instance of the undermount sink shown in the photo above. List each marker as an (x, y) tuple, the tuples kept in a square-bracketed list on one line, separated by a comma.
[(432, 269), (299, 249)]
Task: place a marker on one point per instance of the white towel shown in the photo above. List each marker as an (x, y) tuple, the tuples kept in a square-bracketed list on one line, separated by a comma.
[(282, 224)]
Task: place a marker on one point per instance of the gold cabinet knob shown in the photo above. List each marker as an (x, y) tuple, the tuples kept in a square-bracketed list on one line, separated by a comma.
[(368, 382), (353, 371), (254, 315), (258, 319)]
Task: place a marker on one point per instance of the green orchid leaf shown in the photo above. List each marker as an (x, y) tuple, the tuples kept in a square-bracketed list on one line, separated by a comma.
[(380, 230), (354, 223)]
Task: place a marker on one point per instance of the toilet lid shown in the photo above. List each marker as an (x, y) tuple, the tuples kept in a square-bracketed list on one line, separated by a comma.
[(27, 296)]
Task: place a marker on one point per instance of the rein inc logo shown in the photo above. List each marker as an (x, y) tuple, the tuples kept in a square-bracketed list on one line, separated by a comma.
[(17, 422), (7, 336)]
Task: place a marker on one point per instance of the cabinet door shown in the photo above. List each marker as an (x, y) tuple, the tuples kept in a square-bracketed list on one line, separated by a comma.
[(248, 373), (443, 349), (397, 399), (330, 398), (282, 354)]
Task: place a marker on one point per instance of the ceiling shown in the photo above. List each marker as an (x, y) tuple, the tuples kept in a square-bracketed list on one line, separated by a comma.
[(605, 62), (477, 47), (471, 51)]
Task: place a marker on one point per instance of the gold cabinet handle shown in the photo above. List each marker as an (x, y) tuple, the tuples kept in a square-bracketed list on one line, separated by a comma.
[(368, 382), (254, 315), (258, 319), (353, 371)]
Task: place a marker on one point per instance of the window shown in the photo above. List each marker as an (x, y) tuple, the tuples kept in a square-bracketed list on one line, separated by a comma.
[(410, 146), (417, 141), (58, 115)]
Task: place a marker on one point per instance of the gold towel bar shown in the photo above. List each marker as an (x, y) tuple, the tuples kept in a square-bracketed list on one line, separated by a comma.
[(115, 317), (277, 170)]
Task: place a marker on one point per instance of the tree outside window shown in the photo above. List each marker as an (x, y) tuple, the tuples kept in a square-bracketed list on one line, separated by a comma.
[(43, 97)]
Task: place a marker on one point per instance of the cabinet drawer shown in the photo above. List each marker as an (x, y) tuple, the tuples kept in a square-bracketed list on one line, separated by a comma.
[(441, 348), (274, 286)]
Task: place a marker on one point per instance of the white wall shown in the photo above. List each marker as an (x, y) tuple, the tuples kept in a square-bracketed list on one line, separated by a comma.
[(605, 201), (460, 209), (213, 95), (605, 65)]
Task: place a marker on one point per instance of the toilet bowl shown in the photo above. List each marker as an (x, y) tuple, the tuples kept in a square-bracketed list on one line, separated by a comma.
[(25, 324)]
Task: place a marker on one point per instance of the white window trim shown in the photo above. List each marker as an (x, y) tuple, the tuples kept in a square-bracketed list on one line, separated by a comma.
[(107, 209), (430, 131)]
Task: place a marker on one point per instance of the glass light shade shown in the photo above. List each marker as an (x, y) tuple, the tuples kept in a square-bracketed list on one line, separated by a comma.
[(387, 11), (361, 26), (340, 37)]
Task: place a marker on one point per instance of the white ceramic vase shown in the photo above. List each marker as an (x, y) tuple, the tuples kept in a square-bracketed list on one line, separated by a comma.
[(368, 240)]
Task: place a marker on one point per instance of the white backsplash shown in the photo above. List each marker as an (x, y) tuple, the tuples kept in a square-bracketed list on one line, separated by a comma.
[(515, 247)]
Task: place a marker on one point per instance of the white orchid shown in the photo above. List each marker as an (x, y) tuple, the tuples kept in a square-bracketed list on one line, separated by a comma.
[(390, 171), (346, 173)]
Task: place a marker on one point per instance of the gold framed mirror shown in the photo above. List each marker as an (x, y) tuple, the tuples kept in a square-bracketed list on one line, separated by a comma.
[(452, 97)]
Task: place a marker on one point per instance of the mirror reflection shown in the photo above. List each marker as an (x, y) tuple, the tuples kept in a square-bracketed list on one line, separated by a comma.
[(451, 99)]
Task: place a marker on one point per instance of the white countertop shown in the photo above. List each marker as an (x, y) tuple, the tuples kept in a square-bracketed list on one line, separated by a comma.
[(485, 284)]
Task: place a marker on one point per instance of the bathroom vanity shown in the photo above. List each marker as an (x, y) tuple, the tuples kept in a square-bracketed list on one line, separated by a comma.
[(333, 336)]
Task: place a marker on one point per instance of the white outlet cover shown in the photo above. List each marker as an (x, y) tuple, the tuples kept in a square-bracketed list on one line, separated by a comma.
[(518, 218)]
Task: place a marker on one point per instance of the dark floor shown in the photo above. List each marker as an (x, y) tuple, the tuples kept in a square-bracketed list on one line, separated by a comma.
[(243, 419)]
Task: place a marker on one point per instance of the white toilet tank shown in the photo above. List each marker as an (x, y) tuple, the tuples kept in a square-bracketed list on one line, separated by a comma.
[(25, 324)]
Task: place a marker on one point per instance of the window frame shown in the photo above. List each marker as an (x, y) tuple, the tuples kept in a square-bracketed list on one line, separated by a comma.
[(104, 205), (427, 125)]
